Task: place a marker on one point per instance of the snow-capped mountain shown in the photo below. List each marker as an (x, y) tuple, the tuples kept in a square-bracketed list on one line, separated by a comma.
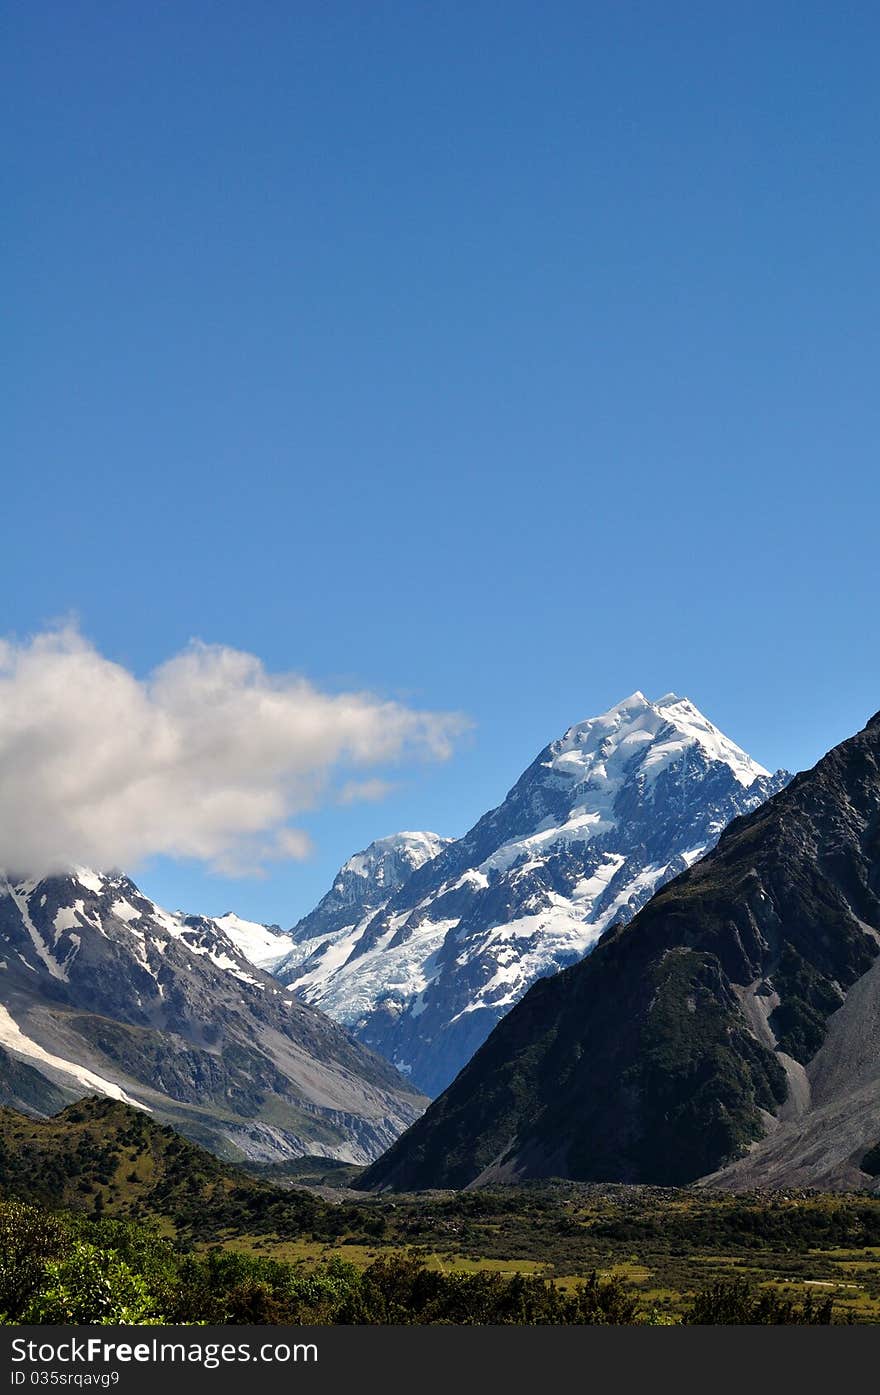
[(729, 1033), (603, 817), (324, 939), (103, 990)]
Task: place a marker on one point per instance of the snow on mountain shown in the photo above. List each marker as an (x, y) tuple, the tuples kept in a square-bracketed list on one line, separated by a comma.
[(326, 938), (263, 945), (603, 817), (14, 1040), (102, 990)]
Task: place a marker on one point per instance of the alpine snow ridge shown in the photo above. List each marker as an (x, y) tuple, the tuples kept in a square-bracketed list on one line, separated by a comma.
[(327, 937), (422, 971), (263, 945), (101, 990)]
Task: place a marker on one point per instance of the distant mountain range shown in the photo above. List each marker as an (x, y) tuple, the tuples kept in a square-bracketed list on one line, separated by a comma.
[(423, 943), (103, 990), (730, 1031), (418, 949)]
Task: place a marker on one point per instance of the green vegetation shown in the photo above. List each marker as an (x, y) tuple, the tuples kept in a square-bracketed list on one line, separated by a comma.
[(110, 1217), (65, 1269), (702, 1080), (737, 1303), (808, 999), (305, 1172)]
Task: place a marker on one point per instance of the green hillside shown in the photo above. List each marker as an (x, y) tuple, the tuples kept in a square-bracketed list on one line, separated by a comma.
[(106, 1215), (105, 1158)]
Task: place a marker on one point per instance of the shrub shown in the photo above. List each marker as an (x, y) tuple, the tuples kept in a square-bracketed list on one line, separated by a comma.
[(738, 1302), (91, 1286)]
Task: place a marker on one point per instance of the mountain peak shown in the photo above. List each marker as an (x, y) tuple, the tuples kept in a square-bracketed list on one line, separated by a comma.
[(621, 803), (362, 885), (413, 847), (652, 735), (635, 701)]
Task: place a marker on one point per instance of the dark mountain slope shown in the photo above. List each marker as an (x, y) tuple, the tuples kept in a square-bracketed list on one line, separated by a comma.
[(22, 1087), (695, 1030)]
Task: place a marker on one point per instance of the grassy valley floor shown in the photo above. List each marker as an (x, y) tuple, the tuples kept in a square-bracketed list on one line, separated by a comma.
[(667, 1245), (101, 1189)]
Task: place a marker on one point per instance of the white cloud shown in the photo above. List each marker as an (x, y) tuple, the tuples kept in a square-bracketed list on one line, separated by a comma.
[(209, 757), (364, 791)]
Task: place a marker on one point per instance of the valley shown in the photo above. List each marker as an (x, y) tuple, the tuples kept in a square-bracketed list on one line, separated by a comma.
[(679, 1126), (245, 1250)]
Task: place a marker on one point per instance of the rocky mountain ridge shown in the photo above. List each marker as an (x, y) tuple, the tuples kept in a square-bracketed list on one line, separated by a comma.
[(103, 990)]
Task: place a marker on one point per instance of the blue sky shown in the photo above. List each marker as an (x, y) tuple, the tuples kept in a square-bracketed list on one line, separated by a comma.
[(502, 358)]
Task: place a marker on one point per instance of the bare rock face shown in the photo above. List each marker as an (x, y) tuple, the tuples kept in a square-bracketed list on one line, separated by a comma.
[(729, 1031), (103, 991)]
